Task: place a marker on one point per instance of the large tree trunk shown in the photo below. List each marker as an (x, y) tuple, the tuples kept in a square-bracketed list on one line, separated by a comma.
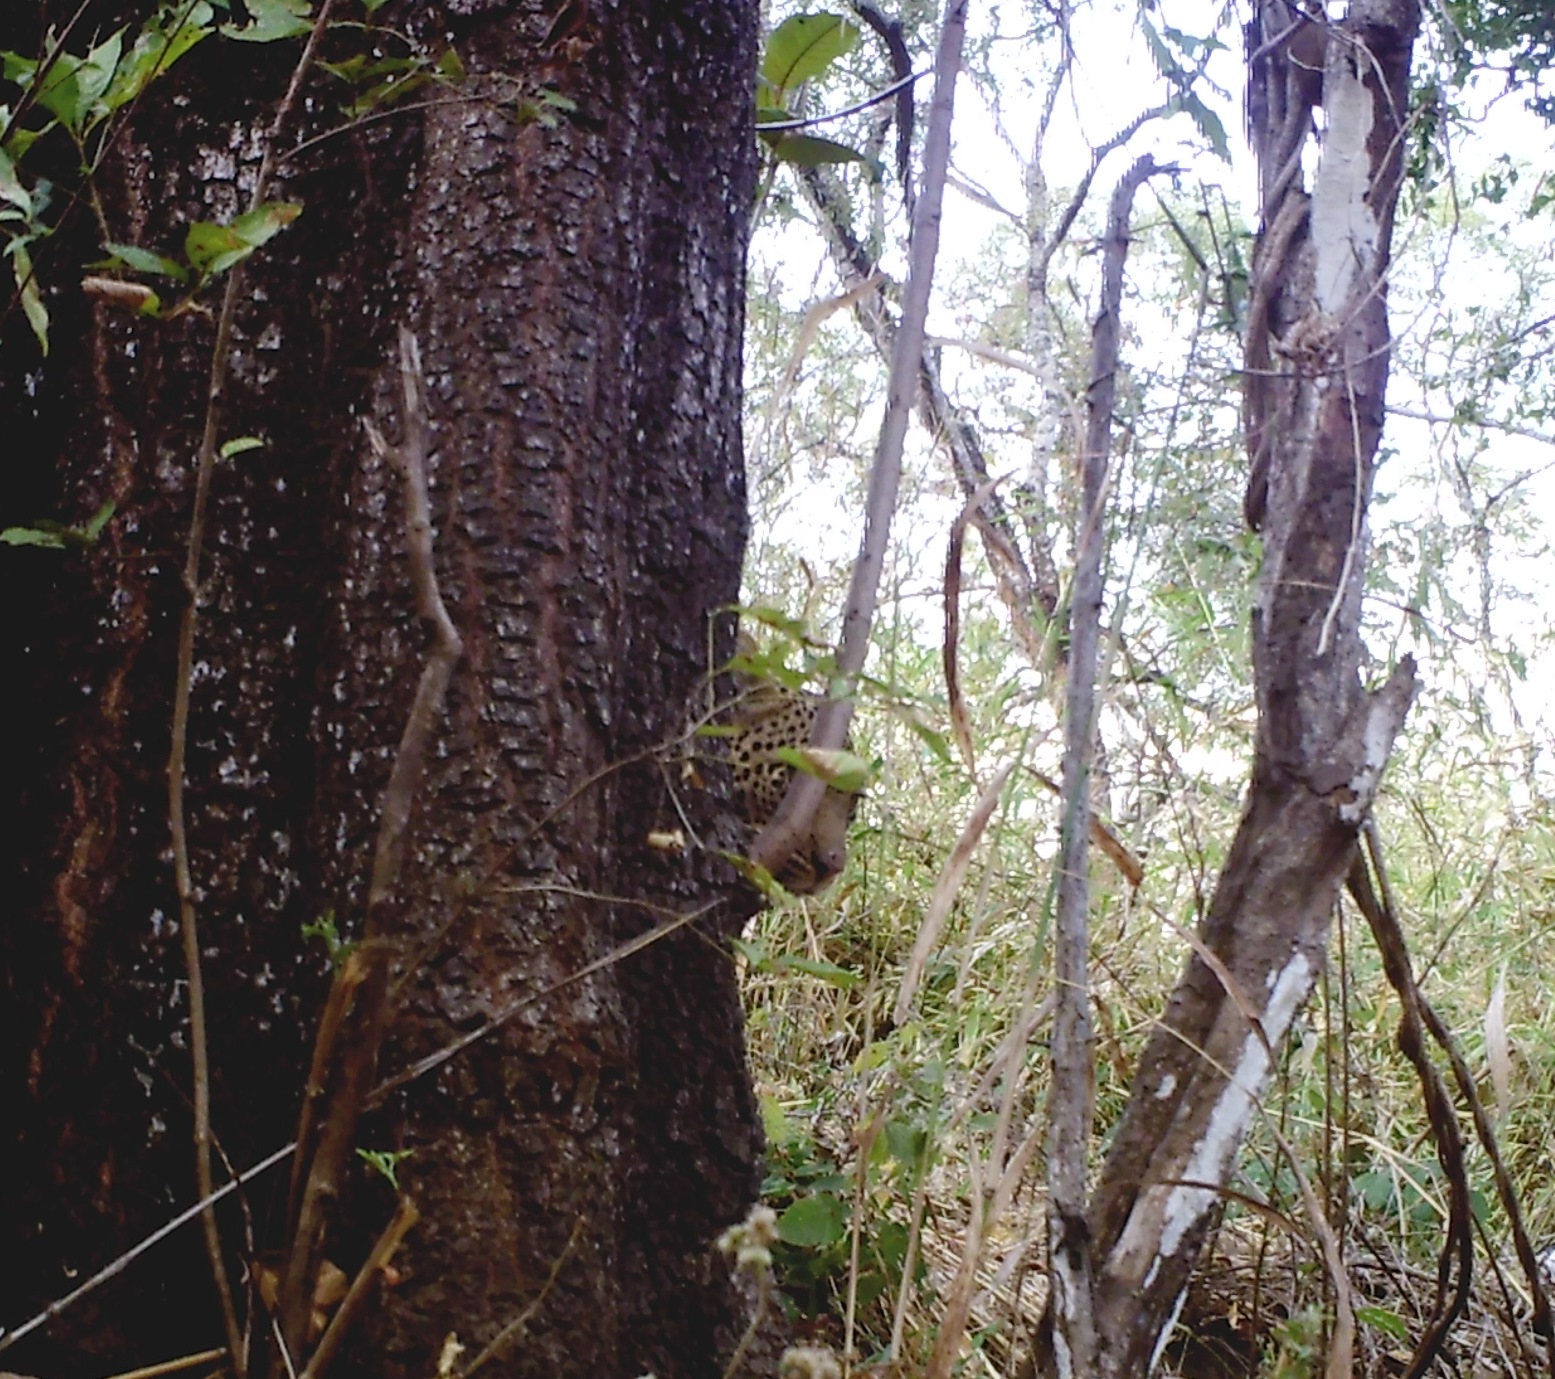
[(1317, 360), (576, 286)]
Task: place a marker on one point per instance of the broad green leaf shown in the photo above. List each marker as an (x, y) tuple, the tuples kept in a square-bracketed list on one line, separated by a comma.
[(1383, 1320), (20, 140), (930, 737), (273, 19), (804, 46), (11, 188), (808, 151), (140, 260), (350, 69), (774, 1121), (17, 68), (844, 771), (213, 248), (1375, 1188), (73, 87), (385, 93), (157, 47), (264, 223), (817, 1220), (32, 299), (905, 1142)]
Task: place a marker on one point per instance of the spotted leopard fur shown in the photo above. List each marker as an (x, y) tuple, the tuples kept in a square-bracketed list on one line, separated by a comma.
[(767, 717)]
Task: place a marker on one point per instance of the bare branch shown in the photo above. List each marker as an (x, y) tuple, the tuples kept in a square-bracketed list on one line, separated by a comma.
[(1071, 1101), (345, 1055), (183, 688)]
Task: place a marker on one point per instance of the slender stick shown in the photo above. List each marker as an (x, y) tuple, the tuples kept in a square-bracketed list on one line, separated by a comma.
[(1070, 1103), (183, 685)]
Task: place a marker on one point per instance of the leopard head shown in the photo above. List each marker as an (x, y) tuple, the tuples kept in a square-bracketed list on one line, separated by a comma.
[(766, 718)]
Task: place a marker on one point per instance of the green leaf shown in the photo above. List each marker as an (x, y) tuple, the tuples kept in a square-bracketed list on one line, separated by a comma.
[(1383, 1320), (240, 445), (384, 1161), (73, 86), (775, 1123), (818, 1220), (808, 151), (95, 524), (273, 20), (11, 188), (844, 771), (32, 299), (1208, 123), (804, 46), (213, 248), (33, 536), (264, 223), (1375, 1188), (839, 977), (15, 67), (930, 737), (157, 47), (905, 1142), (139, 260)]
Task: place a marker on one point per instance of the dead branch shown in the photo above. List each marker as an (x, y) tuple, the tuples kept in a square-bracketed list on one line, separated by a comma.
[(1458, 1249), (1375, 902), (410, 459), (350, 1305), (1030, 594), (117, 1266), (960, 724), (345, 1058), (1102, 835), (1071, 1100)]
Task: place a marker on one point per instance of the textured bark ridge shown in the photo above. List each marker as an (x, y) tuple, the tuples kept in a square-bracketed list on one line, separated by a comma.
[(1317, 362), (576, 287)]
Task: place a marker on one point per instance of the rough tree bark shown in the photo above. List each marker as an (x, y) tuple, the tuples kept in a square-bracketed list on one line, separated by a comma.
[(1317, 361), (576, 286)]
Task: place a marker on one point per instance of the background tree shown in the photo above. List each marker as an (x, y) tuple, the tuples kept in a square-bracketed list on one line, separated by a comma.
[(554, 205)]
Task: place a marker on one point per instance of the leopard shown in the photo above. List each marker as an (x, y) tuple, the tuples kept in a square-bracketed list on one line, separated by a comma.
[(767, 717)]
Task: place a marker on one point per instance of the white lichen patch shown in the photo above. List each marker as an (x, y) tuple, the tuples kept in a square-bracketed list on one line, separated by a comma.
[(1164, 1213)]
